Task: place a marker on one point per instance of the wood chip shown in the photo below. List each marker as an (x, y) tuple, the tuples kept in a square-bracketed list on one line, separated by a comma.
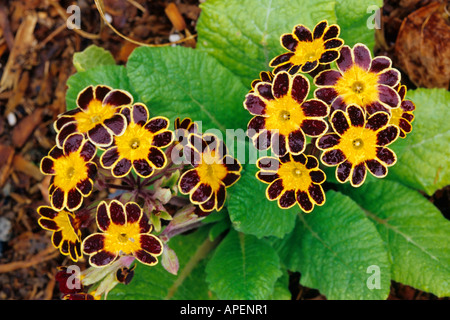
[(29, 168), (25, 128), (6, 158), (175, 17)]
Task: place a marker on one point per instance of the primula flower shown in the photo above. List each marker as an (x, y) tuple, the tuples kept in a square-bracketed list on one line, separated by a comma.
[(264, 76), (282, 116), (358, 144), (66, 230), (361, 80), (403, 116), (125, 231), (97, 115), (214, 171), (308, 49), (293, 179), (139, 147), (72, 171), (183, 128)]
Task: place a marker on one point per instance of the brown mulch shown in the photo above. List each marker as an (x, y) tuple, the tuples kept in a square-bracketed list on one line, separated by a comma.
[(36, 50)]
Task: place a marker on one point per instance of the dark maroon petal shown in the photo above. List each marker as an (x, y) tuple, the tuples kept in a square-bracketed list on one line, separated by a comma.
[(156, 124), (65, 247), (57, 238), (56, 153), (102, 258), (289, 42), (280, 85), (356, 116), (390, 77), (100, 136), (345, 60), (109, 157), (192, 155), (304, 201), (332, 32), (117, 213), (145, 257), (198, 142), (48, 212), (101, 91), (314, 108), (359, 174), (262, 141), (379, 64), (133, 212), (267, 177), (144, 225), (317, 176), (362, 56), (210, 204), (142, 168), (310, 66), (256, 124), (327, 78), (91, 170), (293, 69), (375, 107), (157, 157), (387, 136), (266, 76), (188, 181), (339, 122), (319, 29), (329, 56), (326, 94), (405, 125), (254, 104), (296, 142), (116, 124), (268, 164), (139, 113), (126, 111), (67, 130), (376, 168), (85, 97), (333, 157), (73, 143), (63, 120), (162, 139), (343, 171), (74, 199), (121, 168), (316, 193), (85, 186), (333, 43), (72, 251), (58, 199), (88, 151), (201, 193), (284, 67), (386, 155), (94, 243), (117, 98), (281, 59), (103, 219), (221, 196), (314, 128), (151, 244), (230, 178), (408, 116), (231, 164), (265, 90), (328, 141), (279, 144), (48, 224), (408, 105), (311, 162), (274, 189), (300, 88), (388, 96), (303, 33), (338, 104), (287, 199), (47, 165)]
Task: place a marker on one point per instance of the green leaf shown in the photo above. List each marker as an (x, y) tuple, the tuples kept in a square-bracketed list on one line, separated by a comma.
[(357, 20), (182, 82), (281, 291), (335, 248), (424, 155), (245, 35), (113, 76), (416, 234), (155, 283), (91, 57), (243, 268)]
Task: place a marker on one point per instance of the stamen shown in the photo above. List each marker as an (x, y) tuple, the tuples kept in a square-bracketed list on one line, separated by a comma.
[(357, 143)]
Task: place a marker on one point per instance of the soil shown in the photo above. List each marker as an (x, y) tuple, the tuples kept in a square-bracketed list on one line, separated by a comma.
[(36, 51)]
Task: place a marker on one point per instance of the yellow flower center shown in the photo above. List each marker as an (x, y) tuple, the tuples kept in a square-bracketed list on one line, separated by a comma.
[(96, 113), (284, 114), (69, 170), (396, 115), (211, 171), (308, 51), (358, 144), (123, 238), (358, 86), (68, 231), (135, 143), (295, 176)]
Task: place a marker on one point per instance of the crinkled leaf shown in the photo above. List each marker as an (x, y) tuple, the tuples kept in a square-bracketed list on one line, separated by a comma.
[(424, 155), (243, 268), (91, 57), (335, 248), (416, 234)]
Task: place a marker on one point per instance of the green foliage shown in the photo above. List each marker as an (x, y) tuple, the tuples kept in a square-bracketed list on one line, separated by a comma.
[(92, 56)]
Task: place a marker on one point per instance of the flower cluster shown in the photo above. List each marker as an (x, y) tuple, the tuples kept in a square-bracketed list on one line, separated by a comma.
[(111, 145), (357, 110)]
